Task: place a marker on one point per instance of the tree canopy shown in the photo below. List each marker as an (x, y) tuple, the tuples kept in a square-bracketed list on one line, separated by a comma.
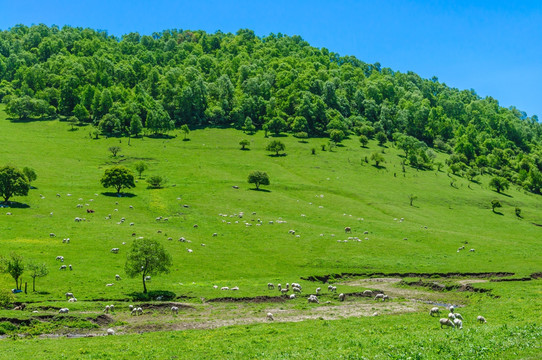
[(13, 182), (119, 178), (258, 178)]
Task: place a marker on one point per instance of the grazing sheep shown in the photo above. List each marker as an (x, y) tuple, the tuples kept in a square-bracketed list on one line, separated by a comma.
[(133, 311), (379, 296), (111, 307), (368, 293), (61, 258), (131, 307), (20, 307), (318, 290), (347, 229), (296, 289), (70, 266), (189, 250), (174, 310), (270, 316), (69, 295), (106, 310), (458, 316), (284, 291), (109, 284), (235, 288), (385, 297), (78, 219), (471, 250), (292, 296), (115, 250), (341, 297), (313, 299), (224, 288), (63, 311), (329, 287), (452, 308), (334, 289), (52, 235), (291, 232), (117, 277), (451, 316), (270, 286), (481, 319), (139, 311), (195, 226), (446, 322), (434, 310), (110, 332), (63, 267), (215, 234), (458, 323), (147, 278)]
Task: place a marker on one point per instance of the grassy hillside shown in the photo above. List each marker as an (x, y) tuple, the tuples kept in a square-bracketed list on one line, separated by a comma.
[(317, 195)]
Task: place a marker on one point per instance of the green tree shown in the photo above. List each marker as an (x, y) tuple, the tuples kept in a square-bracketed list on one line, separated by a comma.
[(114, 150), (30, 174), (72, 120), (411, 198), (81, 112), (147, 257), (110, 124), (14, 266), (13, 182), (275, 146), (185, 130), (363, 140), (258, 178), (156, 181), (381, 138), (499, 183), (136, 127), (119, 178), (276, 125), (249, 127), (37, 270), (140, 167), (244, 143), (336, 136), (377, 158), (495, 204)]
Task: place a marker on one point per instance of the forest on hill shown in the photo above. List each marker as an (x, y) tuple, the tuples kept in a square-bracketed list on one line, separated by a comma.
[(154, 84)]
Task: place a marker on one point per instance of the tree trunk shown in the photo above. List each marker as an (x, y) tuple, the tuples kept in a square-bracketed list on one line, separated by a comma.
[(144, 285)]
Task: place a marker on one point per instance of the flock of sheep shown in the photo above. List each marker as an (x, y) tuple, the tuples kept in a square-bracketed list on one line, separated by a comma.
[(454, 319)]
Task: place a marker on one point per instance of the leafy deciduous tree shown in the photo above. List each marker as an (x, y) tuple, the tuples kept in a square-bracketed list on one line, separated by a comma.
[(244, 143), (275, 146), (13, 182), (14, 266), (37, 270), (118, 177), (140, 167), (147, 257), (258, 178)]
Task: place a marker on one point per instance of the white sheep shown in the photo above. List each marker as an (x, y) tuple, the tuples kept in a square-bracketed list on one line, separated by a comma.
[(270, 316), (63, 267), (446, 322), (133, 311), (318, 290), (52, 235), (115, 250), (215, 234), (117, 277), (224, 288), (458, 323), (72, 300), (451, 316), (70, 266), (296, 289), (368, 293), (329, 288), (63, 311), (147, 278), (111, 307), (434, 310), (458, 316), (131, 307), (109, 284), (174, 310), (379, 296), (235, 288), (481, 319), (110, 332), (292, 296), (341, 297), (106, 310), (61, 258), (270, 286), (139, 311), (313, 299), (69, 295)]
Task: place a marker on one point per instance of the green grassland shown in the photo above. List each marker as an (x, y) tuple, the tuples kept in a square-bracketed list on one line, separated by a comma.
[(316, 195)]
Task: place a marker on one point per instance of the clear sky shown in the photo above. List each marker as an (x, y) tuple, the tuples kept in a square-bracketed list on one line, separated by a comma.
[(493, 47)]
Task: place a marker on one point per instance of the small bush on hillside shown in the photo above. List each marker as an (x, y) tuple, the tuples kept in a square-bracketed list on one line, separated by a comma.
[(244, 143), (6, 298), (495, 204), (156, 181), (518, 212)]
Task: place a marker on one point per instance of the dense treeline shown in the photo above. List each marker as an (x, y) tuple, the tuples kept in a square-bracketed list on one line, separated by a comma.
[(276, 83)]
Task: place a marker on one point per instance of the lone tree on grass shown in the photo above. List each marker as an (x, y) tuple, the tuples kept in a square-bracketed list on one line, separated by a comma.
[(499, 183), (276, 146), (495, 204), (258, 178), (156, 181), (381, 138), (363, 140), (114, 150), (411, 198), (185, 130), (244, 143), (377, 158), (140, 167), (14, 266), (118, 177), (13, 182), (147, 257), (37, 270)]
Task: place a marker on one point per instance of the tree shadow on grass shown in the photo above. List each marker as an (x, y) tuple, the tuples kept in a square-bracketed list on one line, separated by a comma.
[(186, 139), (13, 205), (261, 190), (277, 155), (279, 135), (498, 213), (503, 194), (379, 167), (160, 136), (245, 149), (114, 194)]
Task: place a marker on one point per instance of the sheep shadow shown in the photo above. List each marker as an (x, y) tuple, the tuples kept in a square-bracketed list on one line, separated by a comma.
[(114, 194)]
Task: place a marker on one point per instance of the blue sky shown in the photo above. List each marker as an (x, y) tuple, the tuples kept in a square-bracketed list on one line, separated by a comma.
[(493, 47)]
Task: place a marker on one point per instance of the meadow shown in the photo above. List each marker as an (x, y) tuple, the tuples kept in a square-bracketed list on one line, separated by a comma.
[(315, 195)]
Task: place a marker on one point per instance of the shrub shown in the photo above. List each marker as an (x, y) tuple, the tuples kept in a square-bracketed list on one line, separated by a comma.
[(6, 298), (156, 181), (495, 204), (518, 212), (159, 295)]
